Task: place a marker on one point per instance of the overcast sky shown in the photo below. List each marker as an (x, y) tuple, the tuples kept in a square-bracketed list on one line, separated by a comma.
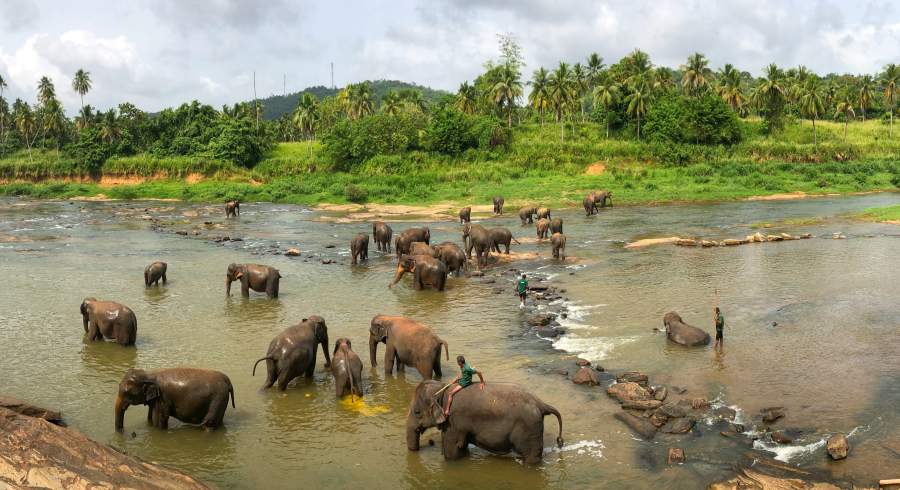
[(160, 53)]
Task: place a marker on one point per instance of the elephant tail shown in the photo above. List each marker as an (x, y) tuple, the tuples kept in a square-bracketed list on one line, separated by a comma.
[(446, 349), (548, 410), (350, 375), (231, 391), (263, 359), (514, 239)]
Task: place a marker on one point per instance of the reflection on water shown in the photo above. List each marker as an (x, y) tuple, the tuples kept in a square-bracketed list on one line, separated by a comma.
[(811, 323)]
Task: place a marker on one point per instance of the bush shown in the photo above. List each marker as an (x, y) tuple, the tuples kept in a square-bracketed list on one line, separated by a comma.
[(89, 152), (678, 119), (236, 143), (19, 189), (349, 144), (449, 133), (356, 193)]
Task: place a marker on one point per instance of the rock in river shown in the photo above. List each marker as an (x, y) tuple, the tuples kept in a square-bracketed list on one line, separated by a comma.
[(632, 377), (293, 252), (671, 411), (585, 376), (628, 392), (780, 437), (540, 320), (582, 362), (699, 404), (773, 415), (641, 404), (679, 426), (676, 456), (660, 394), (838, 446), (640, 425), (29, 410)]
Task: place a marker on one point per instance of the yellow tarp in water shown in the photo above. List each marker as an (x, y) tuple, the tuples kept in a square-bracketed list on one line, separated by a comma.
[(359, 405)]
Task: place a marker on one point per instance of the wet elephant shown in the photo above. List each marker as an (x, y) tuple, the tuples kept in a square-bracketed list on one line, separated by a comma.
[(477, 237), (426, 271), (293, 352), (232, 209), (558, 242), (108, 319), (406, 237), (527, 214), (498, 205), (421, 248), (260, 278), (590, 206), (556, 225), (346, 368), (543, 226), (683, 333), (359, 247), (501, 418), (601, 197), (453, 257), (543, 213), (465, 215), (502, 236), (193, 396), (154, 272), (382, 233), (409, 343)]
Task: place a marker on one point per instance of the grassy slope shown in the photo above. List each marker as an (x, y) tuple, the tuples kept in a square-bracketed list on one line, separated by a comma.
[(890, 213)]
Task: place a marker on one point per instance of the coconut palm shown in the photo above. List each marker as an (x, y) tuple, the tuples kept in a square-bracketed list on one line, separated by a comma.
[(46, 90), (359, 100), (697, 74), (391, 103), (82, 83), (538, 98), (414, 100), (812, 104), (772, 89), (305, 116), (466, 99), (54, 120), (638, 62), (508, 88), (867, 93), (639, 100), (606, 92), (85, 118), (25, 123), (730, 86), (846, 98), (559, 91), (109, 126), (580, 84), (3, 86), (891, 81), (595, 67), (663, 79)]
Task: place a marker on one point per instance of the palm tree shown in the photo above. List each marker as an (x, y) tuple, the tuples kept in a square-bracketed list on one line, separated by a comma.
[(85, 118), (580, 82), (466, 99), (595, 66), (54, 120), (46, 90), (538, 98), (731, 87), (391, 103), (508, 88), (696, 74), (559, 91), (3, 86), (606, 92), (414, 100), (360, 100), (891, 80), (109, 126), (663, 79), (638, 62), (867, 93), (24, 121), (639, 100), (772, 90), (305, 116), (82, 83), (811, 104), (846, 99)]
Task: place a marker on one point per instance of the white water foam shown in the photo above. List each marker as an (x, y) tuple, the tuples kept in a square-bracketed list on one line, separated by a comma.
[(788, 452), (591, 448), (592, 349)]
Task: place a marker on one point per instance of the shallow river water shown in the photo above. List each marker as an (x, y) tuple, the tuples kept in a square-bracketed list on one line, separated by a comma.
[(813, 328)]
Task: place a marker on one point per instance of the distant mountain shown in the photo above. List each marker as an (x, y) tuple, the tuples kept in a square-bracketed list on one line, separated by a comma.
[(278, 105)]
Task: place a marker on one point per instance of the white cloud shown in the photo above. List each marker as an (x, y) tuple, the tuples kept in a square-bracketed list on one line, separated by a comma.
[(18, 14)]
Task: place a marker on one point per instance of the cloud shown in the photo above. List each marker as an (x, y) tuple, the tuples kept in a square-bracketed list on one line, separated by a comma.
[(211, 16), (19, 15)]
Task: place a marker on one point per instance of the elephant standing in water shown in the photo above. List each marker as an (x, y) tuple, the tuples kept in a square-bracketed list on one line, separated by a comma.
[(293, 352), (359, 247), (195, 396), (409, 343), (527, 213), (426, 271), (154, 272), (502, 236), (558, 242), (465, 215), (501, 418), (346, 369), (477, 237), (498, 205), (232, 209), (543, 225), (405, 239), (601, 197), (453, 257), (260, 278), (381, 232), (556, 225), (421, 248), (108, 319), (683, 333), (543, 213), (590, 206)]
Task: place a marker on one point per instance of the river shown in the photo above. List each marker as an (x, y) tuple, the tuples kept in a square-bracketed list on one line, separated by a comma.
[(813, 328)]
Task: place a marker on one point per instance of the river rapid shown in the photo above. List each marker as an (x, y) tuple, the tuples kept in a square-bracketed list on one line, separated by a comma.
[(832, 359)]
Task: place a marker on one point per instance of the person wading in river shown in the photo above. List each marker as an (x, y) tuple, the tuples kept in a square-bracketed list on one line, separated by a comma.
[(464, 378), (522, 286), (720, 326)]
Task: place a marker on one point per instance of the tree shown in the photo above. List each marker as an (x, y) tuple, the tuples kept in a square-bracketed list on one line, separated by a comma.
[(510, 50), (3, 86), (82, 83), (466, 99), (305, 117), (891, 80), (85, 118), (846, 99), (391, 103), (414, 101), (663, 79), (54, 120), (639, 100), (580, 82), (595, 67), (606, 92), (46, 91), (559, 90), (508, 88), (538, 98), (637, 62), (25, 123), (867, 93), (811, 104), (697, 74), (771, 91), (358, 100), (730, 86), (109, 126)]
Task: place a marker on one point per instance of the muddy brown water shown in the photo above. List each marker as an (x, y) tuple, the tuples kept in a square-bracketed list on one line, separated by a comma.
[(832, 360)]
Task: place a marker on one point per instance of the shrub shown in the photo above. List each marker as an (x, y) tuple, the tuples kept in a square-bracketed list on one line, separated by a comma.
[(356, 193), (19, 189)]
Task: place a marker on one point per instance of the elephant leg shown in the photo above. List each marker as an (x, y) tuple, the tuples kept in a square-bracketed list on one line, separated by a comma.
[(507, 249), (277, 283), (161, 416), (94, 331), (163, 278), (436, 364), (401, 366), (529, 442), (216, 412), (453, 442), (439, 283), (271, 374), (150, 414), (339, 386), (357, 384), (389, 354), (146, 279), (312, 364), (284, 378), (245, 286)]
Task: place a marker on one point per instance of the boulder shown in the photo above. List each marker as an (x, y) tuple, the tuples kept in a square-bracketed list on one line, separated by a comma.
[(582, 362), (30, 410), (628, 392), (476, 273), (676, 456), (324, 261), (686, 242), (785, 236), (487, 281), (773, 415), (599, 369), (757, 237), (540, 320), (682, 333), (805, 236), (546, 332), (780, 437), (708, 243), (724, 413), (670, 411), (774, 238), (739, 428), (699, 404), (585, 376), (640, 425), (632, 377), (37, 454), (729, 242), (538, 287), (838, 446), (679, 426), (660, 394), (293, 252), (641, 404)]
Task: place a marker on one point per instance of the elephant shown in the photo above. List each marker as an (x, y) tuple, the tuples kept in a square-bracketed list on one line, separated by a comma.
[(154, 272), (194, 396), (346, 369), (590, 206), (359, 247), (421, 248), (543, 213), (601, 197), (477, 237), (465, 215), (232, 209), (108, 319), (558, 241), (502, 236), (453, 257), (406, 237), (409, 343), (426, 271), (683, 333), (556, 225), (542, 226), (293, 352), (498, 205), (381, 232), (527, 213), (253, 276), (500, 418)]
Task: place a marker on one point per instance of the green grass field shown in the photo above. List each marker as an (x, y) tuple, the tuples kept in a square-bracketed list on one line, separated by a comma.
[(889, 213)]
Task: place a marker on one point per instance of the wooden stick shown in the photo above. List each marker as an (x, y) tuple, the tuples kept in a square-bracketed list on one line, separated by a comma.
[(442, 389), (883, 483)]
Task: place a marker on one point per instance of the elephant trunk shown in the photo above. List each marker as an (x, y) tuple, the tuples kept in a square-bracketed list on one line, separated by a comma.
[(85, 321), (227, 285), (121, 406), (325, 350), (412, 433), (373, 350), (400, 272)]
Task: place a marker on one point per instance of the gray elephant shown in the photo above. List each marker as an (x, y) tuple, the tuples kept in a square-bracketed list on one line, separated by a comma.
[(453, 257), (477, 237), (501, 418), (194, 396), (543, 226), (409, 343), (382, 233), (683, 333), (108, 319), (498, 205), (558, 241), (465, 215), (426, 271), (154, 272), (502, 236), (601, 197), (556, 225), (590, 206), (406, 237), (346, 369), (527, 214), (293, 352), (359, 247), (232, 209), (543, 213), (260, 278), (421, 248)]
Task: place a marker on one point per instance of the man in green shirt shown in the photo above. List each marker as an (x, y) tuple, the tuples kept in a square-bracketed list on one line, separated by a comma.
[(720, 325), (522, 285), (464, 379)]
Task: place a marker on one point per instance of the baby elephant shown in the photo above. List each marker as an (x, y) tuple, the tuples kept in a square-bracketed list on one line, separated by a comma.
[(195, 396), (465, 215), (346, 369), (542, 226), (232, 209), (154, 272), (108, 319), (556, 225), (498, 205), (558, 242), (253, 276), (359, 247)]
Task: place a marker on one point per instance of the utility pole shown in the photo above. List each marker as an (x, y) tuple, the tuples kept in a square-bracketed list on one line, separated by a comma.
[(332, 76)]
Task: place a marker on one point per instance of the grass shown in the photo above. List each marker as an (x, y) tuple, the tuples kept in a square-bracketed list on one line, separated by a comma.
[(811, 221), (761, 225), (889, 213)]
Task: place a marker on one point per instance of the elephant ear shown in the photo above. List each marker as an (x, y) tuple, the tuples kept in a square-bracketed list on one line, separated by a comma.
[(437, 412), (151, 391)]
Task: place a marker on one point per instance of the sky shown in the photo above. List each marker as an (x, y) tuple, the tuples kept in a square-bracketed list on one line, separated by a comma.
[(161, 53)]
